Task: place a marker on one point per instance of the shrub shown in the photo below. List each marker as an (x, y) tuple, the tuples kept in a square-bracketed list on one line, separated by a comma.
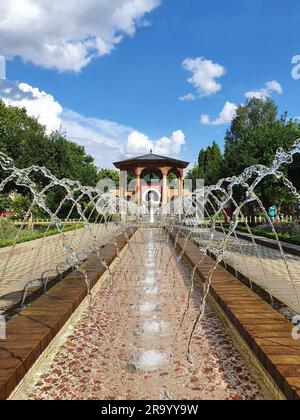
[(283, 228), (8, 230), (5, 203), (31, 235)]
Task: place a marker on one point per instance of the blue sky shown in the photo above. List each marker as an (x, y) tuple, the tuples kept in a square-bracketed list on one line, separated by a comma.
[(131, 88)]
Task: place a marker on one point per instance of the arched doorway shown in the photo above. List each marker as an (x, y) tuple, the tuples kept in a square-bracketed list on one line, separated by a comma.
[(174, 180), (151, 185), (151, 197)]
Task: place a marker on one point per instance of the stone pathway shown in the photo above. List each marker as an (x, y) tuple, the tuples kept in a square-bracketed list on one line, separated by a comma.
[(264, 266), (125, 347), (43, 257)]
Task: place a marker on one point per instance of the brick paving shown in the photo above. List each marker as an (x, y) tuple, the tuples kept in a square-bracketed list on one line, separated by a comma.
[(44, 258), (264, 266)]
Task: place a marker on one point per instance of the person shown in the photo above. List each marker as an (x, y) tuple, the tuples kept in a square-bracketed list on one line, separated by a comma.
[(272, 212)]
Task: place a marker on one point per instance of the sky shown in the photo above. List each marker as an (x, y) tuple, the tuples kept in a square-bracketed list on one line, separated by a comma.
[(121, 77)]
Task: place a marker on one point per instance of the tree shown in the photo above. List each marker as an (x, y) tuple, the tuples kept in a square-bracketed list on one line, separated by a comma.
[(213, 164), (209, 165), (294, 171), (194, 174), (111, 174), (20, 204), (255, 135), (5, 203), (26, 141)]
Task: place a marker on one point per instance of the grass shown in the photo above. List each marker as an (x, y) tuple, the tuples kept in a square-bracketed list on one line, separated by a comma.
[(283, 237), (7, 236)]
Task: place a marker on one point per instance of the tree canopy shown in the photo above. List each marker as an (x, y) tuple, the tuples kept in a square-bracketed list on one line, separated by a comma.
[(255, 134), (209, 166), (26, 141), (106, 173)]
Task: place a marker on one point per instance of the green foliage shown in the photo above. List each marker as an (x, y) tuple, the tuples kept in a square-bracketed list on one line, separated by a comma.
[(195, 174), (20, 205), (294, 172), (172, 177), (209, 166), (291, 238), (111, 174), (25, 140), (255, 135), (5, 203), (8, 231)]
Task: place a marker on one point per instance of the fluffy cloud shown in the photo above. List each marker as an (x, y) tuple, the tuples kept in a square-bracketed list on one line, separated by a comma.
[(225, 116), (170, 146), (107, 141), (270, 87), (67, 34), (139, 143), (204, 75), (38, 103)]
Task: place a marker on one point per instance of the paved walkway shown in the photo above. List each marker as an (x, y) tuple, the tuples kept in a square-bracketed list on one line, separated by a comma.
[(264, 266), (44, 258), (125, 348)]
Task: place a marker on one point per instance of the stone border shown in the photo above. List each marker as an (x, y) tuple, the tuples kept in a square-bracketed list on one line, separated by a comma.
[(267, 333), (31, 331)]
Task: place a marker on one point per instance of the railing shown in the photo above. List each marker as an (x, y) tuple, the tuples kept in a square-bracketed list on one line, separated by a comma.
[(35, 222), (258, 220)]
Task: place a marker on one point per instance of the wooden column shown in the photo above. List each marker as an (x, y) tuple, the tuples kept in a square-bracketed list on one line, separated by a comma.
[(180, 184), (138, 191), (123, 184), (164, 186)]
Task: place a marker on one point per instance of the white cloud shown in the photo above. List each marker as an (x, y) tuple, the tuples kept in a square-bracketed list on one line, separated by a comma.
[(188, 97), (170, 146), (67, 34), (37, 103), (139, 143), (225, 116), (274, 86), (204, 75), (2, 68), (107, 141), (266, 92)]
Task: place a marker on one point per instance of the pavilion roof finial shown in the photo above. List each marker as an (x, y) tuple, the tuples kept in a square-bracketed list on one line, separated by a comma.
[(151, 151)]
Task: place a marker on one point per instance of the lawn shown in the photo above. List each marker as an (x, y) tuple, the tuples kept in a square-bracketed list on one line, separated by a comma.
[(9, 232)]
